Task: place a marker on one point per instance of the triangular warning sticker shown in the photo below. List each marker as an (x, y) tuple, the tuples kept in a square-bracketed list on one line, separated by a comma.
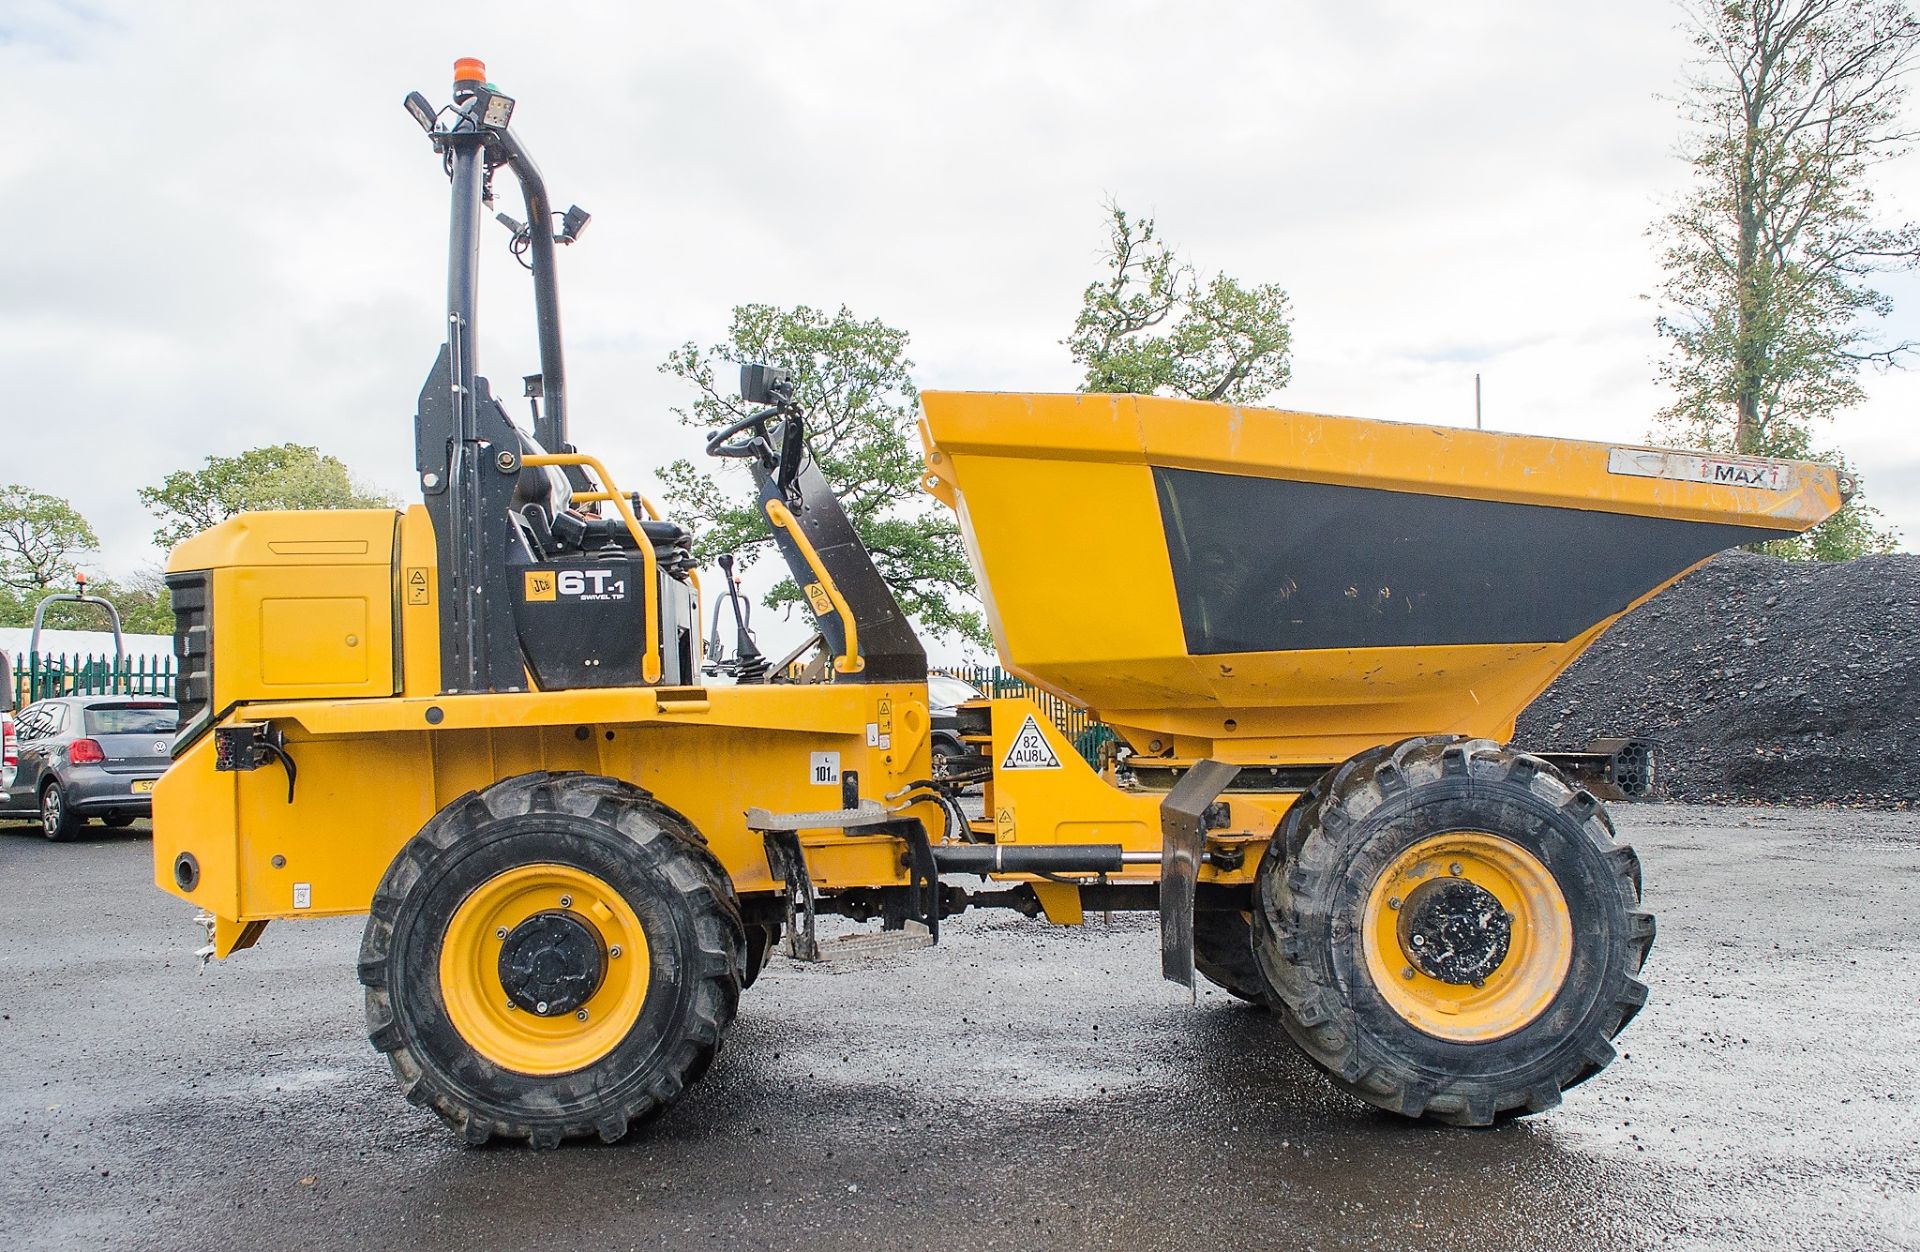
[(1030, 749)]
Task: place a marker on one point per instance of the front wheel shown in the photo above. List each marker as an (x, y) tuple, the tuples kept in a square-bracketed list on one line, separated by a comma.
[(1456, 934), (555, 956)]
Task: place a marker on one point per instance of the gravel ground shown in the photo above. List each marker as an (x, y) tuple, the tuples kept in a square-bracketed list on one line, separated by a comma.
[(1017, 1086), (1763, 681)]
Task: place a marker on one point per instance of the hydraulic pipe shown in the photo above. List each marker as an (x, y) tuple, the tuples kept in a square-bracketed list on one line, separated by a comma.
[(1033, 858)]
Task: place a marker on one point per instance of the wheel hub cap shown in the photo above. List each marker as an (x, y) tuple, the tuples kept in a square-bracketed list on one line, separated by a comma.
[(1455, 930), (1467, 936), (552, 963)]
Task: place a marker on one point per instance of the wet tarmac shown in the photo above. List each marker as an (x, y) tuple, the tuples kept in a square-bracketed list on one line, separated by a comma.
[(1018, 1086)]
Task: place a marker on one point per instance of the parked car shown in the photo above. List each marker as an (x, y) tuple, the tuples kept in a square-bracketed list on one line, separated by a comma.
[(946, 694), (9, 745), (90, 756)]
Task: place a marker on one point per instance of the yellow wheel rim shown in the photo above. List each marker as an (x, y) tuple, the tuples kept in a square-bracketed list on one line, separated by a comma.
[(482, 1009), (1521, 981)]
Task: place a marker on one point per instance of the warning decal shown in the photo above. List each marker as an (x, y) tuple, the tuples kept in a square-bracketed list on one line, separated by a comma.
[(1030, 749), (418, 588)]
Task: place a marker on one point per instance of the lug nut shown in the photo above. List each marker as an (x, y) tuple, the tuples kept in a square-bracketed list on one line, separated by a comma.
[(566, 902), (1407, 973), (540, 1007), (1454, 869), (582, 1015), (512, 1007), (1393, 902), (1419, 941), (1479, 982), (614, 951), (500, 932)]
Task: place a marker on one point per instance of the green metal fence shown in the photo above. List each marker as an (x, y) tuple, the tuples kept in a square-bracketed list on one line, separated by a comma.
[(36, 676), (1087, 734)]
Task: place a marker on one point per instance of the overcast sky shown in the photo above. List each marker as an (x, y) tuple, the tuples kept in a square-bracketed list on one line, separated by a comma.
[(224, 232)]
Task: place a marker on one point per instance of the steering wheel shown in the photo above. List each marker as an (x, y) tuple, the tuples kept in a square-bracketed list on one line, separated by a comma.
[(718, 442)]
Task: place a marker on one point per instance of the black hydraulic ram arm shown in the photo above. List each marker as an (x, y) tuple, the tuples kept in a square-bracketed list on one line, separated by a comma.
[(1035, 858)]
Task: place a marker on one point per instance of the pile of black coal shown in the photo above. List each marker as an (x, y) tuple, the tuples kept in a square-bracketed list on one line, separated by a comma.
[(1763, 681)]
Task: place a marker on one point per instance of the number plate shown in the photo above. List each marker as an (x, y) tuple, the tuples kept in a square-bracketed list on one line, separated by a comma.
[(143, 784)]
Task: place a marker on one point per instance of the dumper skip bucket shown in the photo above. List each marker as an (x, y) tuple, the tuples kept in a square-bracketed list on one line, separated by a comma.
[(1264, 585)]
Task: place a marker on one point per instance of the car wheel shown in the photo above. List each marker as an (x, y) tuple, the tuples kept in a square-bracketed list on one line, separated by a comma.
[(58, 822), (945, 749)]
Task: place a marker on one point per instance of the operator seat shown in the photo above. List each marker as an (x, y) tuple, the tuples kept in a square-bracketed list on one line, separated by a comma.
[(548, 525)]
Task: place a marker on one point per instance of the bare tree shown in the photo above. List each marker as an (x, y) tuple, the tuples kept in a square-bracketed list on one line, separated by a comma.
[(1152, 327), (41, 537)]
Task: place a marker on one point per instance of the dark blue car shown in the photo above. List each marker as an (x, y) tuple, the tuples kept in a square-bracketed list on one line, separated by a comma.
[(89, 756)]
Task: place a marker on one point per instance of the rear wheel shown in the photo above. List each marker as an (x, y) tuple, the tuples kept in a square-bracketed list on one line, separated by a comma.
[(1223, 954), (58, 822), (555, 956), (1456, 934)]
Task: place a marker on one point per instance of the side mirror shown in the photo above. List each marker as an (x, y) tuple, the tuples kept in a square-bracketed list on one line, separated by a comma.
[(765, 384)]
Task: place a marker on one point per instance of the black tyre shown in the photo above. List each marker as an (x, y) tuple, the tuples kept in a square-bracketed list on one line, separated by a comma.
[(1223, 954), (58, 822), (555, 956), (1456, 934), (118, 821)]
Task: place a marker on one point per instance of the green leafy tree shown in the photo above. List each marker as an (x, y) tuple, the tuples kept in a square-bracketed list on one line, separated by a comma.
[(145, 605), (42, 538), (1152, 326), (286, 476), (854, 383), (1768, 301)]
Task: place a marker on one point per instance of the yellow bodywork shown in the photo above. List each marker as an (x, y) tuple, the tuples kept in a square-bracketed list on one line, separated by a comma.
[(307, 603), (1056, 500), (326, 625), (348, 598)]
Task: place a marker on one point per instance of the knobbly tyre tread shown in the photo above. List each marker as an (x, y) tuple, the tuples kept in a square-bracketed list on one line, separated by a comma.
[(1223, 955), (1337, 1025), (710, 979)]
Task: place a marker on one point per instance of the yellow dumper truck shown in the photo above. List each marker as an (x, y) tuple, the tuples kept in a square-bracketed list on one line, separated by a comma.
[(490, 723)]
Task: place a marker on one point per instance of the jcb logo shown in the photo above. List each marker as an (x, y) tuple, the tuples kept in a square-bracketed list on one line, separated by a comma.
[(539, 584)]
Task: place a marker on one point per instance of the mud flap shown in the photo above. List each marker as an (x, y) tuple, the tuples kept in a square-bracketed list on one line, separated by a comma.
[(1183, 837)]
